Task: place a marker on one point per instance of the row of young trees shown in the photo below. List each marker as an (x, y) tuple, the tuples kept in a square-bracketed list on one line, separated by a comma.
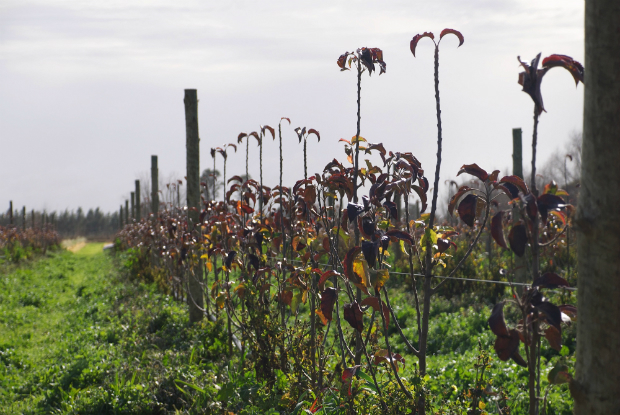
[(261, 252)]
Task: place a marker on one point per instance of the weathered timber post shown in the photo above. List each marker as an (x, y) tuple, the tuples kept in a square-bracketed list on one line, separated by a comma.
[(24, 218), (10, 212), (138, 203), (520, 267), (120, 218), (154, 186), (126, 212), (133, 205), (192, 145), (596, 386), (33, 219)]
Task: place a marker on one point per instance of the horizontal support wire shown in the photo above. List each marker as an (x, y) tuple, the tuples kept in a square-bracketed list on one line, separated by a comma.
[(457, 278)]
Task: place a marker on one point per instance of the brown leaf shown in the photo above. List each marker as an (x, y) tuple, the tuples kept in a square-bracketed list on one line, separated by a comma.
[(348, 263), (326, 275), (422, 194), (516, 181), (353, 315), (517, 238), (328, 299), (566, 62), (457, 196), (496, 321), (286, 297), (550, 280), (402, 235), (497, 230), (467, 209), (506, 346), (474, 170), (554, 337), (315, 132), (416, 39), (454, 32)]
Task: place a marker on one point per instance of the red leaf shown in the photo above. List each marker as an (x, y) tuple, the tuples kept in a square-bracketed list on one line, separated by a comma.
[(268, 128), (349, 372), (327, 275), (566, 62), (353, 315), (517, 181), (517, 238), (454, 32), (554, 337), (416, 39), (467, 209), (496, 321), (402, 235), (474, 170), (287, 119), (315, 132), (422, 194), (507, 346), (342, 61), (516, 357), (569, 310), (348, 263), (240, 137), (462, 191), (378, 147), (328, 298), (550, 280), (286, 297), (374, 303), (497, 231)]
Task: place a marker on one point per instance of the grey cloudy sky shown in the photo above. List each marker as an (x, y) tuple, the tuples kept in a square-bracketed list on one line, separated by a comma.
[(90, 89)]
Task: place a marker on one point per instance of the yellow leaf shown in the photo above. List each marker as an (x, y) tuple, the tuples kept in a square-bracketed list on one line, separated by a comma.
[(210, 266), (482, 405), (360, 267), (204, 256), (378, 278)]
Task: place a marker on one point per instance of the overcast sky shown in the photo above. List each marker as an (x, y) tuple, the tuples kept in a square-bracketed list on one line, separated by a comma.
[(90, 89)]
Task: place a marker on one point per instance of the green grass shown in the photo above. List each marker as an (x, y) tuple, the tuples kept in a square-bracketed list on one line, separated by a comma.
[(75, 339), (76, 336)]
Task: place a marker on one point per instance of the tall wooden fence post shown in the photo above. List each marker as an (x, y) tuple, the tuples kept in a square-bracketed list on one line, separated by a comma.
[(24, 218), (192, 145), (133, 205), (138, 204), (120, 218), (10, 212), (126, 212), (33, 219), (154, 186), (520, 267)]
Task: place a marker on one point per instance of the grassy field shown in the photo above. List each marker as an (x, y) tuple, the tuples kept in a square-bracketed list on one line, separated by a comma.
[(76, 336)]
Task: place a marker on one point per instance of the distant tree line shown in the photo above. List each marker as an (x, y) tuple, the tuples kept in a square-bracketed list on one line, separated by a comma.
[(69, 224)]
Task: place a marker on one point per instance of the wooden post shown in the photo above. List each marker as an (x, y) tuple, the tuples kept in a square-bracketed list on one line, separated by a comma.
[(192, 145), (33, 219), (120, 218), (517, 153), (154, 186), (138, 204), (10, 212), (24, 218), (520, 267), (126, 212), (133, 205)]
